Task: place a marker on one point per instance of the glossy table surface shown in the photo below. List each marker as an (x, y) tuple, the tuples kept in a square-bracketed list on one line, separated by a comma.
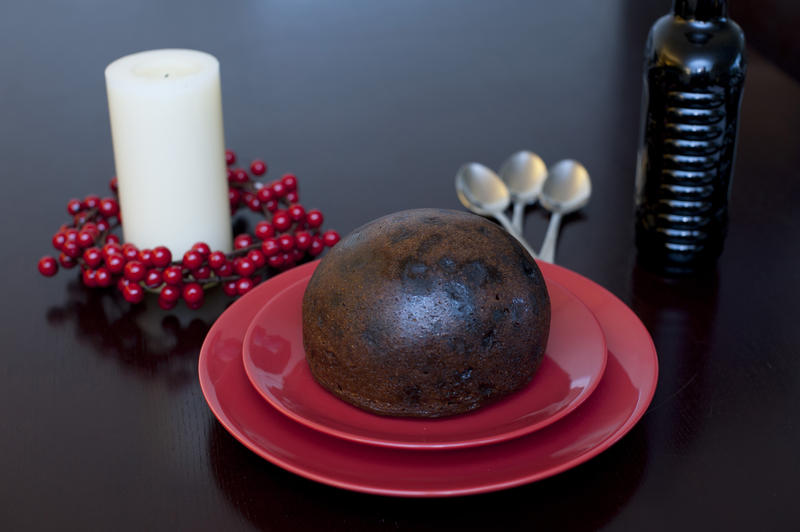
[(374, 105)]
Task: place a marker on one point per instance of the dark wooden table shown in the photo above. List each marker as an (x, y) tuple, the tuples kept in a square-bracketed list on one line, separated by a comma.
[(374, 105)]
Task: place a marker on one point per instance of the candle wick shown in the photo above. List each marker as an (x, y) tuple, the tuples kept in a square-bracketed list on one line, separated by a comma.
[(166, 75)]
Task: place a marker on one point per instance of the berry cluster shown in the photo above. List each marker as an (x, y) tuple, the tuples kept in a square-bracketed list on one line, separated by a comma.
[(288, 235)]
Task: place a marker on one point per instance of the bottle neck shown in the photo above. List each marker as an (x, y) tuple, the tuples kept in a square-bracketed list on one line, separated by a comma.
[(700, 9)]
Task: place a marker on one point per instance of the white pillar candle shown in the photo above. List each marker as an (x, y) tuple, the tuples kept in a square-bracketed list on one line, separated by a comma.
[(169, 149)]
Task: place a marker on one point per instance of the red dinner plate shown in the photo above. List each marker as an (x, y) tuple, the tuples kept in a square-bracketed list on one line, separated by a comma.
[(275, 362), (620, 400)]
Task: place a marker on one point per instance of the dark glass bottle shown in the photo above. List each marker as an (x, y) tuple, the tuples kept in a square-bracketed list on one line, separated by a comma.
[(693, 78)]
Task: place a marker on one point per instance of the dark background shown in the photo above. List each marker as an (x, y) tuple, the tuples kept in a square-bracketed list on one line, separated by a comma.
[(374, 105)]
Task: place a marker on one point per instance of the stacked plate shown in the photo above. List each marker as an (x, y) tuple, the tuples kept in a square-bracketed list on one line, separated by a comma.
[(595, 382)]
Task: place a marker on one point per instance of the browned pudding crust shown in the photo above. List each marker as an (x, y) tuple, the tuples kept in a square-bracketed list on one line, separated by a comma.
[(425, 313)]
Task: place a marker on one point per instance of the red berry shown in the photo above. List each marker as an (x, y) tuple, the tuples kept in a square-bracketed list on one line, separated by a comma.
[(134, 271), (297, 213), (85, 239), (71, 249), (108, 207), (330, 238), (113, 184), (292, 196), (152, 278), (102, 277), (170, 293), (111, 248), (302, 239), (226, 269), (202, 248), (59, 239), (229, 287), (102, 226), (162, 256), (287, 242), (275, 261), (244, 285), (111, 239), (115, 263), (297, 255), (203, 272), (288, 261), (317, 246), (192, 260), (257, 258), (258, 167), (234, 196), (239, 176), (48, 266), (265, 194), (244, 266), (132, 292), (173, 275), (72, 235), (91, 202), (79, 219), (289, 182), (92, 257), (145, 257), (66, 261), (166, 305), (74, 206), (271, 205), (279, 189), (270, 247), (314, 219), (253, 203), (216, 259), (89, 277), (91, 227), (230, 157), (281, 221), (242, 241), (193, 293), (264, 230), (130, 252)]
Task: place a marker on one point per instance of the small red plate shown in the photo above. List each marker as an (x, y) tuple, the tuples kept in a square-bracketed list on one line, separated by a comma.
[(275, 362)]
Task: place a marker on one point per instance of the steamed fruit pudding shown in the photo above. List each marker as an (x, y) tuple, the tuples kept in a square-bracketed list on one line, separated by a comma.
[(425, 313)]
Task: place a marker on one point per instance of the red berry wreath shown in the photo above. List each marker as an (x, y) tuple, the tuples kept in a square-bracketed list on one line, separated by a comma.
[(288, 236)]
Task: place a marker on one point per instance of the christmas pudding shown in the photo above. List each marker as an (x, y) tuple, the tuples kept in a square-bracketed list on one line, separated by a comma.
[(425, 313)]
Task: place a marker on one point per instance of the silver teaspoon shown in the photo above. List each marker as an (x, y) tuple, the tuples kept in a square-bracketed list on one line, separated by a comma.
[(482, 191), (566, 190), (524, 174)]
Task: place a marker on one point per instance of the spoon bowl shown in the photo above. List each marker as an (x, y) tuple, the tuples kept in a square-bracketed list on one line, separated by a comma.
[(480, 190), (524, 174), (567, 189)]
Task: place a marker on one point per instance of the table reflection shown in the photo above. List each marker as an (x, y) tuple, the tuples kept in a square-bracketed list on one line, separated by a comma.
[(143, 339)]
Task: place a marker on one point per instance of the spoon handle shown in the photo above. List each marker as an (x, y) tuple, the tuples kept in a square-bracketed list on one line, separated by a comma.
[(516, 220), (548, 251), (503, 219)]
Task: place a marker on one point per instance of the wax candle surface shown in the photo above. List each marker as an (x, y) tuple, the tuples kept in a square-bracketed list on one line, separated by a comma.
[(169, 149)]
